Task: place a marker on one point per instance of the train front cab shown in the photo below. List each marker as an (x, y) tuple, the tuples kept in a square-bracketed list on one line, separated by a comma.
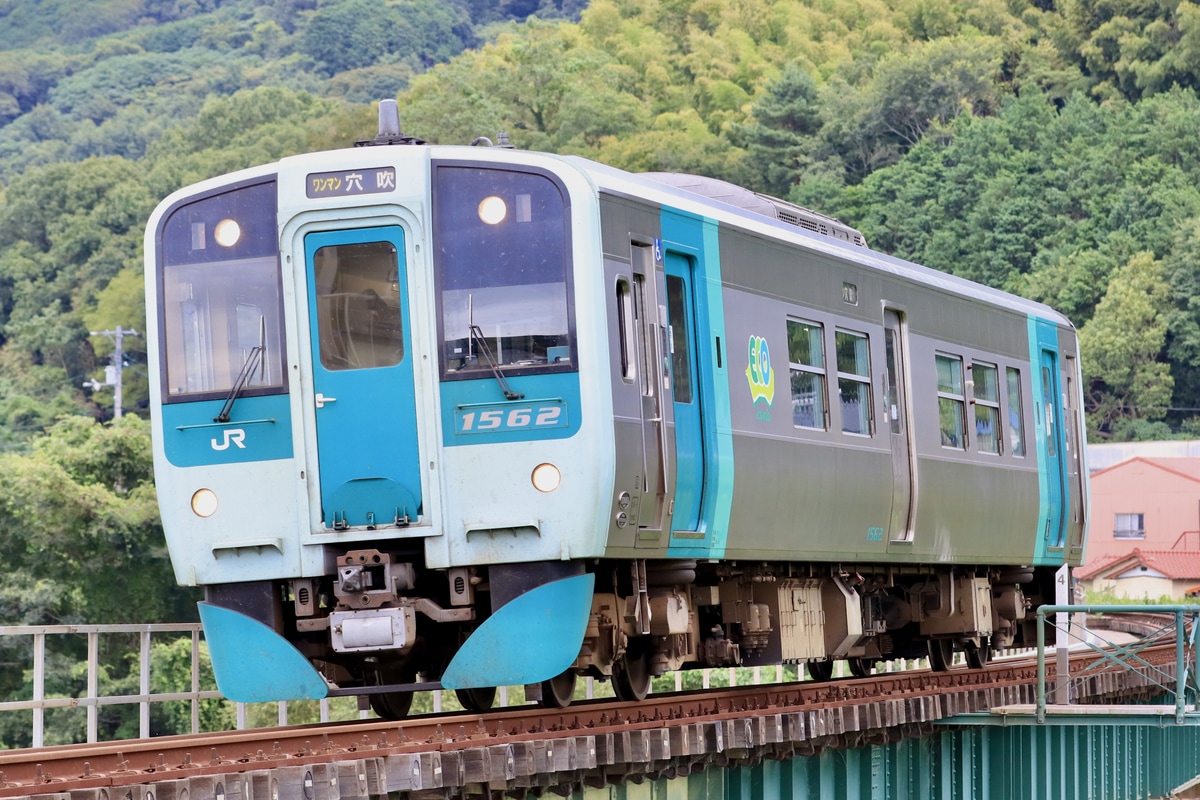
[(361, 416)]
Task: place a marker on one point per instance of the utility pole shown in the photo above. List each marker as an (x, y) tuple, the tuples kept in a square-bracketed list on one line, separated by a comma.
[(112, 373)]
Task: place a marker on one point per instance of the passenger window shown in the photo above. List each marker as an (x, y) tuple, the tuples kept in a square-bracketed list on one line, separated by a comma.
[(987, 407), (806, 354), (951, 401), (854, 381), (1016, 427)]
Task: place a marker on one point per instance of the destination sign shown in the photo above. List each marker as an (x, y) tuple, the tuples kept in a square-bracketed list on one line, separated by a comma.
[(355, 181)]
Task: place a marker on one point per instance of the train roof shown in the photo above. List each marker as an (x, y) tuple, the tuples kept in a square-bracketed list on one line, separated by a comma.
[(703, 196)]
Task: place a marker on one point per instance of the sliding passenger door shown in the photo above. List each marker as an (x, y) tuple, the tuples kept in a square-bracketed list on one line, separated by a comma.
[(685, 391), (1050, 446), (900, 527)]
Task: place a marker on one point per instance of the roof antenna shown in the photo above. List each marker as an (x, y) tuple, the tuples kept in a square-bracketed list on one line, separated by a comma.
[(389, 128)]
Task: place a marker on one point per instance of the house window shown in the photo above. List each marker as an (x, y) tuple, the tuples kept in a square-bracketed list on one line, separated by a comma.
[(1129, 526)]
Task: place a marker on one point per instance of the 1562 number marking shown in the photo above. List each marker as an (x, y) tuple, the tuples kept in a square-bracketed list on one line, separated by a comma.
[(511, 418)]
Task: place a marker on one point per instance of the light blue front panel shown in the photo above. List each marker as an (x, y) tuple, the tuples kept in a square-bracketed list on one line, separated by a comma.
[(1048, 429), (366, 417), (475, 411), (530, 639), (697, 238), (254, 664), (259, 429)]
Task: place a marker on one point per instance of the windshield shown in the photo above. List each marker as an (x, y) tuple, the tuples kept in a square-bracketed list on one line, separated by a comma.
[(503, 257), (220, 295)]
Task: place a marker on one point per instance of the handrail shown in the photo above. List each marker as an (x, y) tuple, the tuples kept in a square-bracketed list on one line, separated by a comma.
[(1120, 656)]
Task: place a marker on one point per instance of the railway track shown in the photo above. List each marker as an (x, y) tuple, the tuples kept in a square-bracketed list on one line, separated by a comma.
[(499, 745)]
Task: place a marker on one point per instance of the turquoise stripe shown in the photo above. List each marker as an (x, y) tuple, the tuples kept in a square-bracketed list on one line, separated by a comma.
[(1039, 437)]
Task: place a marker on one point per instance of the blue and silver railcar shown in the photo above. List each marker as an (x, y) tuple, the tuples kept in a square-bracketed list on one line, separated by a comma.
[(487, 417)]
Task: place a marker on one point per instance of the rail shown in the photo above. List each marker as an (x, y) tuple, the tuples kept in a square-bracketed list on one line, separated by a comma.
[(30, 658), (1181, 628)]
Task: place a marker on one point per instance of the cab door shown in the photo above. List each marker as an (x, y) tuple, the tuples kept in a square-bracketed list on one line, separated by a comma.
[(363, 393)]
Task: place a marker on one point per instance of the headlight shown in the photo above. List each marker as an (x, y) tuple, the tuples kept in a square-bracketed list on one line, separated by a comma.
[(493, 210), (227, 233), (204, 503), (546, 477)]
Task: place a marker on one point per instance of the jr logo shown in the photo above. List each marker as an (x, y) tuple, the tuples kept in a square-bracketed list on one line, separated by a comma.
[(231, 436)]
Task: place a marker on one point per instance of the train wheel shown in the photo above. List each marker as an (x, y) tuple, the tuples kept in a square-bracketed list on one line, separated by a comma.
[(559, 691), (480, 699), (631, 675), (821, 671), (861, 667), (391, 705), (978, 655), (941, 654)]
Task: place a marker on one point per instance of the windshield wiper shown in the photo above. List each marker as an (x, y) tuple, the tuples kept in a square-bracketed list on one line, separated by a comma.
[(477, 338), (253, 359)]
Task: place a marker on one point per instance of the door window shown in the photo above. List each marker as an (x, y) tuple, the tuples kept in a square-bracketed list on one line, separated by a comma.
[(681, 362), (358, 306)]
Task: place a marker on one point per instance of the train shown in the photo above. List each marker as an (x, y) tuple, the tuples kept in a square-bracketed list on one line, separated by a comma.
[(470, 416)]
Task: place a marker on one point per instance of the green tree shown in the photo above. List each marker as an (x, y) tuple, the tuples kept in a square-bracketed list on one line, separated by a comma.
[(1124, 373), (781, 142), (351, 34)]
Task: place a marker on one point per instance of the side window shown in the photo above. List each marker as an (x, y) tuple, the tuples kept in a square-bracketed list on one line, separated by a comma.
[(854, 381), (625, 329), (951, 401), (806, 354), (987, 407), (1016, 427)]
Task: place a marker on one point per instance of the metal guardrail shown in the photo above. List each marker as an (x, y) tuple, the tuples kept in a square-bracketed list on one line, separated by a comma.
[(1123, 656), (39, 703)]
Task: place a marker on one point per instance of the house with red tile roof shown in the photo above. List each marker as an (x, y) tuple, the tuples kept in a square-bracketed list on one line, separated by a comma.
[(1144, 574), (1144, 536)]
